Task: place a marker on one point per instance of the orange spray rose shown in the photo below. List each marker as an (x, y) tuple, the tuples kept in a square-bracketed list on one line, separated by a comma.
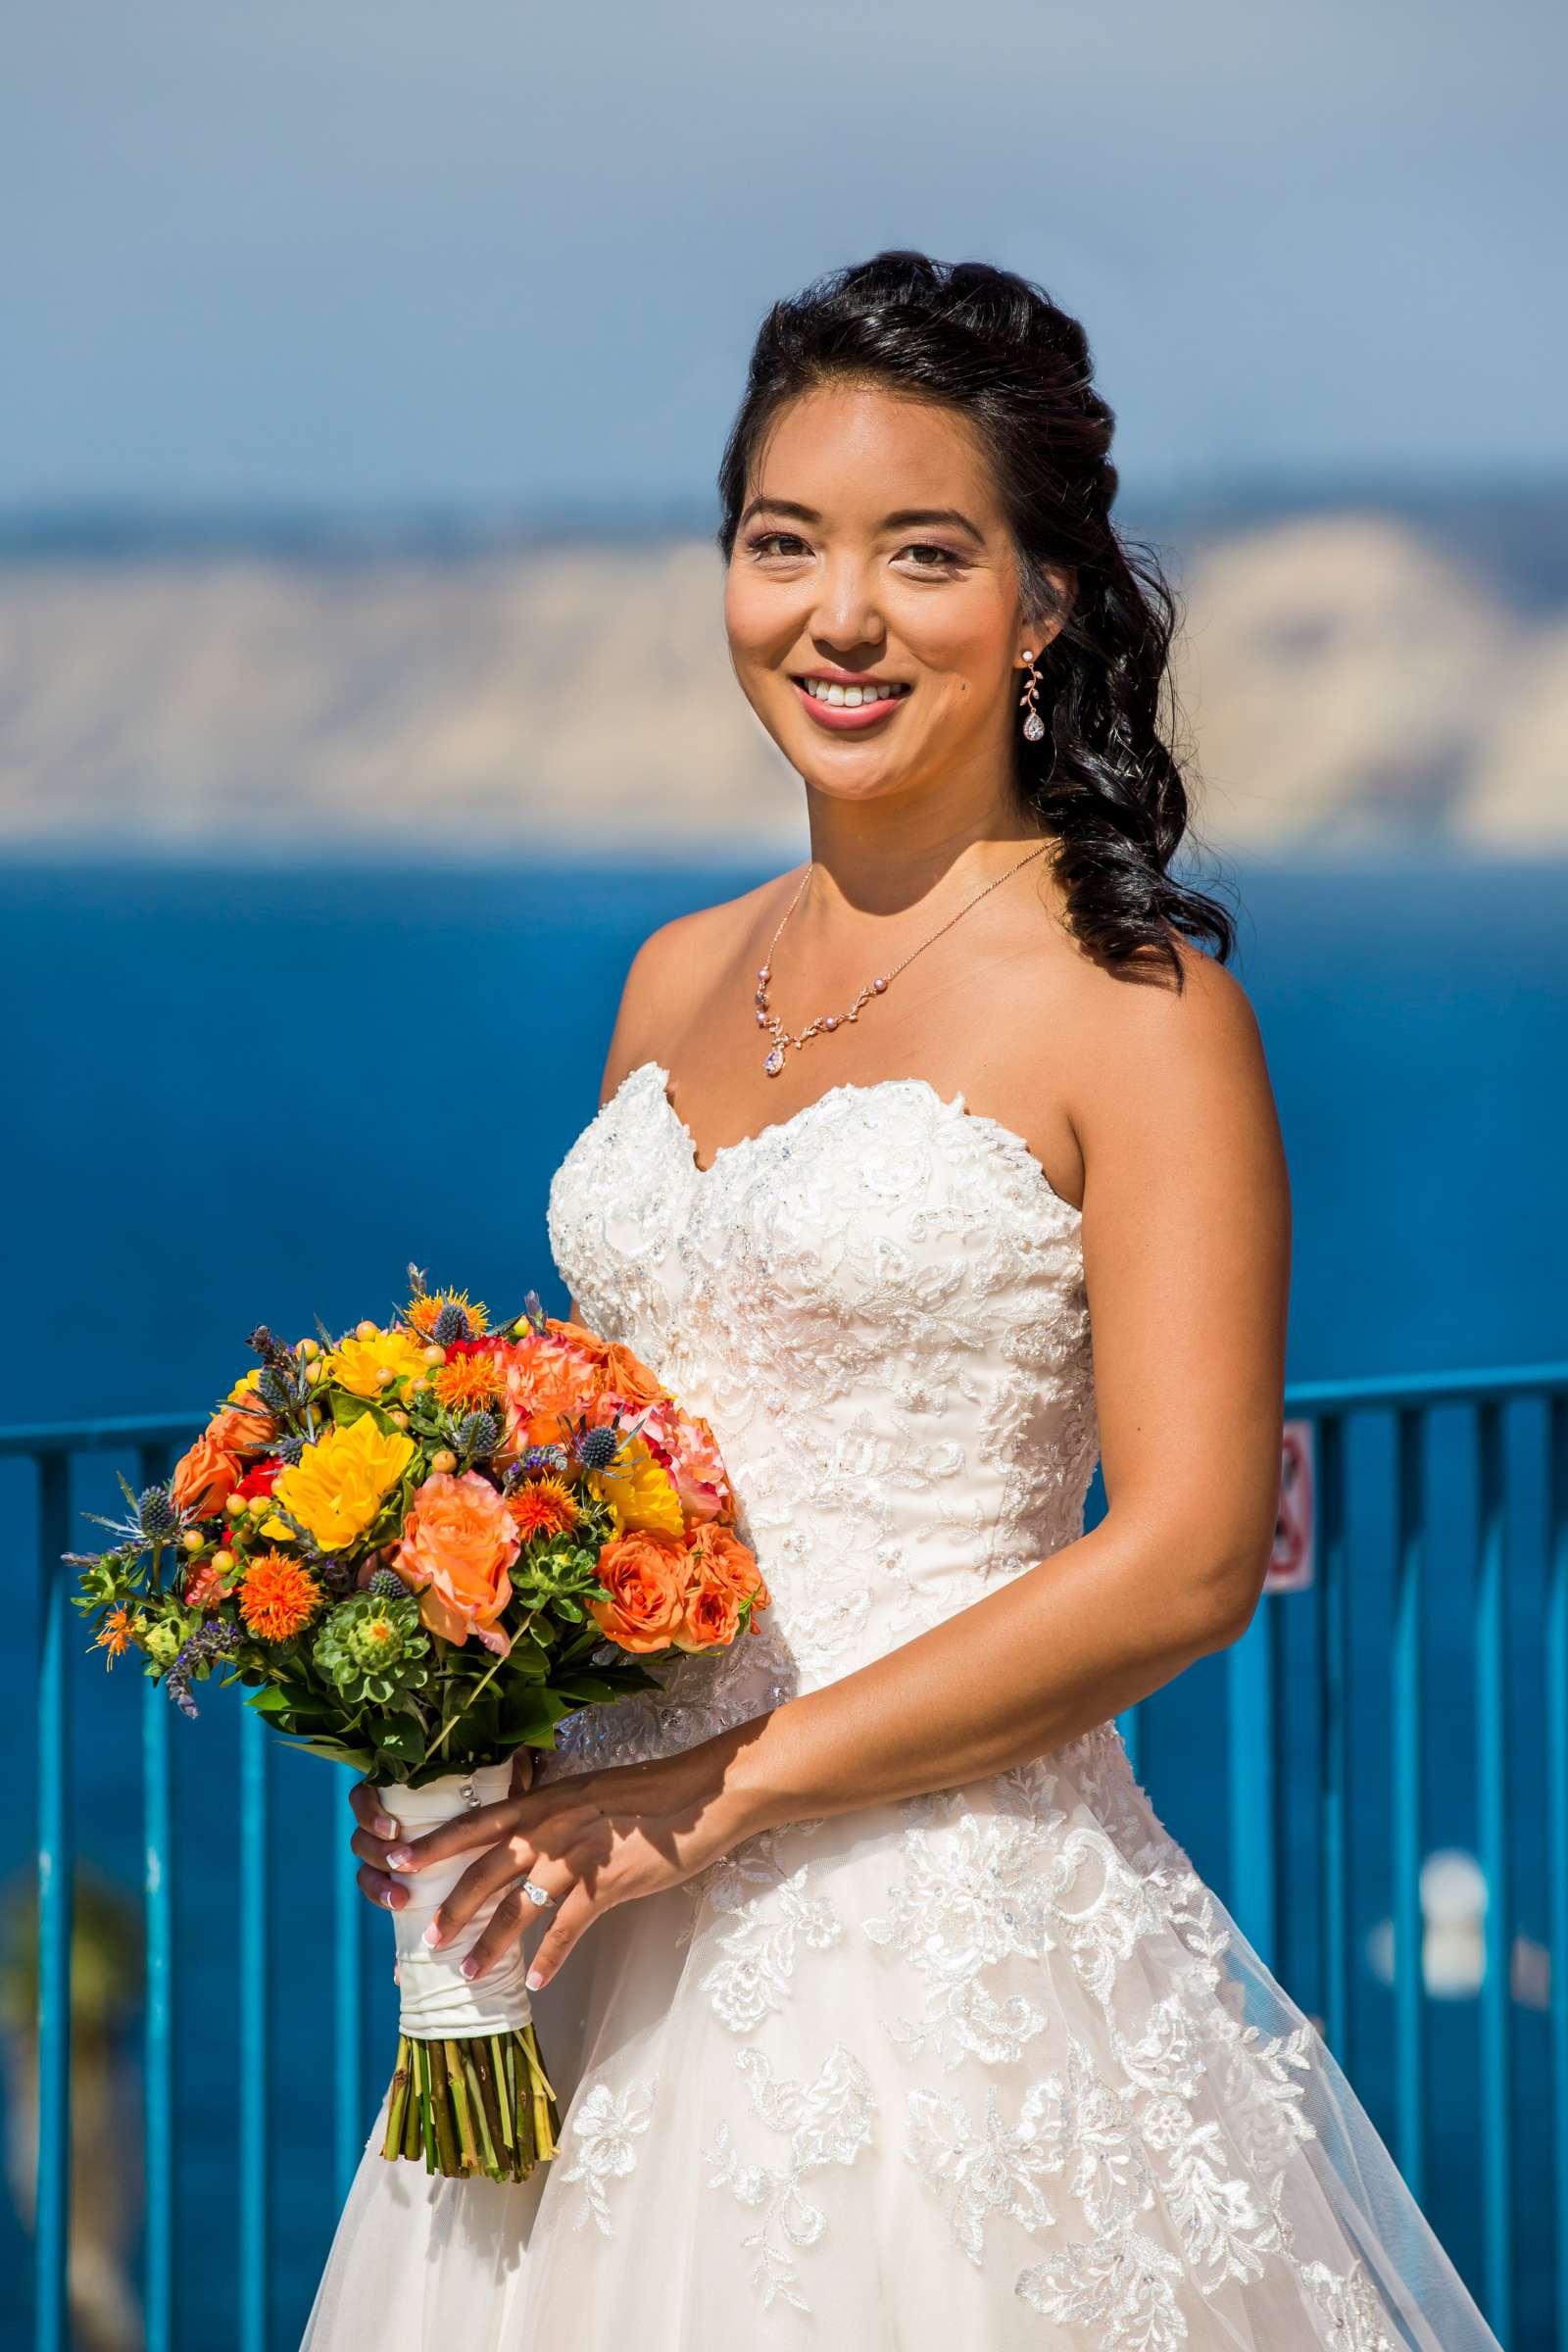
[(458, 1541), (646, 1576), (547, 1380), (205, 1477), (710, 1618), (718, 1557)]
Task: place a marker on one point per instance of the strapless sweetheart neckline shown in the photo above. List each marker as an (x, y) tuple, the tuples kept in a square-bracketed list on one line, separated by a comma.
[(1008, 1137)]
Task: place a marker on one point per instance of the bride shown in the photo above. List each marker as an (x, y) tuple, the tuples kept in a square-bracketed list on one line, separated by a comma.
[(883, 2010)]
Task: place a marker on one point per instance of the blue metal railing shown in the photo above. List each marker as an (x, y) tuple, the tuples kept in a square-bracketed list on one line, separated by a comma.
[(1257, 1891)]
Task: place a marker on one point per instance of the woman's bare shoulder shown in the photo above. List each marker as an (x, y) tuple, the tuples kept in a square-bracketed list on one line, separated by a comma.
[(677, 969), (1165, 1077)]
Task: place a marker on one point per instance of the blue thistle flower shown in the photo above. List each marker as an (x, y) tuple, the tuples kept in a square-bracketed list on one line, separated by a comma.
[(451, 1325), (154, 1508), (478, 1436), (387, 1585), (597, 1449)]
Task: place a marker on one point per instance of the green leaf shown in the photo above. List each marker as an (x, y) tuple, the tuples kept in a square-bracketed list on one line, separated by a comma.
[(346, 1408), (273, 1701), (333, 1751), (405, 1740)]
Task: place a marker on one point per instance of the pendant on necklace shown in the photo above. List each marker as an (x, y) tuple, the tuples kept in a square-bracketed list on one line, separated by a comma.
[(774, 1062)]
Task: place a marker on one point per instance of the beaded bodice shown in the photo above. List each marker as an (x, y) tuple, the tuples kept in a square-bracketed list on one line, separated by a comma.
[(878, 1304)]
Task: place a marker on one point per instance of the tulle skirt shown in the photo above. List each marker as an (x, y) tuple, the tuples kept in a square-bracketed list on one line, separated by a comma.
[(990, 2067)]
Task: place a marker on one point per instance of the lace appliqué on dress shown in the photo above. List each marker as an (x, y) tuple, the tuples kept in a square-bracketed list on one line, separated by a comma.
[(776, 1918), (604, 2127), (827, 2121)]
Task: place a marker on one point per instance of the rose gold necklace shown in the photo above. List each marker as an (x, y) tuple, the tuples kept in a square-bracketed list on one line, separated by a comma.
[(767, 1019)]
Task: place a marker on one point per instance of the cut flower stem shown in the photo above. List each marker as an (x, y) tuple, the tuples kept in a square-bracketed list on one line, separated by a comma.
[(479, 2103)]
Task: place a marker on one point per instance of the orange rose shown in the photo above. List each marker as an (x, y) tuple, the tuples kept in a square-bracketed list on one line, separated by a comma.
[(711, 1617), (243, 1429), (620, 1371), (718, 1557), (459, 1541), (646, 1576), (547, 1381), (205, 1477), (629, 1377)]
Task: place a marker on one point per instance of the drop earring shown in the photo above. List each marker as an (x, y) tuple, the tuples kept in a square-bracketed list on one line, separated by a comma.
[(1034, 727)]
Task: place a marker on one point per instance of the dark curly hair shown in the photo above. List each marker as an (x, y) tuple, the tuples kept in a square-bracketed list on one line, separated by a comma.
[(995, 348)]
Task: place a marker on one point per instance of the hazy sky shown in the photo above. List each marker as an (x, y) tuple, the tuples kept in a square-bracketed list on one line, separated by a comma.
[(358, 251)]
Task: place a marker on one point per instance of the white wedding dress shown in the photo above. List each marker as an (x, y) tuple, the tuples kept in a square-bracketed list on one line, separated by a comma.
[(990, 2068)]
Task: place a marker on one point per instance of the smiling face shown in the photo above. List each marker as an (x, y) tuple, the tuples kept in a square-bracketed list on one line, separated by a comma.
[(873, 603)]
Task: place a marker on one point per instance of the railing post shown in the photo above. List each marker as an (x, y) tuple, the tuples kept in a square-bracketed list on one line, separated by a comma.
[(1254, 1743), (1410, 1811), (255, 1907), (349, 2118), (158, 2126), (1497, 1990), (56, 1859), (1334, 1720), (1556, 1663)]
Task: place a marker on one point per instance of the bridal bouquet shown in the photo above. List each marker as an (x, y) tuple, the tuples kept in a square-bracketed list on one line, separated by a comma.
[(420, 1547)]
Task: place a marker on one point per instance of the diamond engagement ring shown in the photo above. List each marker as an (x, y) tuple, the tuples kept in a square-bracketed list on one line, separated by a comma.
[(536, 1895)]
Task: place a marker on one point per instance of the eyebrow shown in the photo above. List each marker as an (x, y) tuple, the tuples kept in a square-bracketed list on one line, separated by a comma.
[(905, 518)]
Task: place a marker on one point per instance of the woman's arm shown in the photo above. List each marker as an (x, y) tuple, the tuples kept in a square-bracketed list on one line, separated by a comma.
[(1186, 1235)]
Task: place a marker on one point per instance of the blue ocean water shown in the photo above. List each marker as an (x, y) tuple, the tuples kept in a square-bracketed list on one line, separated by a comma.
[(238, 1094)]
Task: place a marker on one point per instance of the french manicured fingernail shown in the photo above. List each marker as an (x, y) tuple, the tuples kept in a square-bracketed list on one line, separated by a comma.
[(470, 1966), (534, 1981), (433, 1934), (400, 1857), (385, 1826), (394, 1898)]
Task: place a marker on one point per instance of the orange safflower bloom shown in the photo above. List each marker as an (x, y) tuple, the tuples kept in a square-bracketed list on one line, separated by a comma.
[(469, 1381), (278, 1598), (114, 1635), (545, 1507)]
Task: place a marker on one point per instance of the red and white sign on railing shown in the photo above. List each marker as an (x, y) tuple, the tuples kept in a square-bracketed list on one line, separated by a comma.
[(1291, 1567)]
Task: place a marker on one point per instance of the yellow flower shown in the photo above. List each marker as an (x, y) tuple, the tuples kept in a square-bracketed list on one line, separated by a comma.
[(243, 1385), (359, 1365), (339, 1484), (639, 1492)]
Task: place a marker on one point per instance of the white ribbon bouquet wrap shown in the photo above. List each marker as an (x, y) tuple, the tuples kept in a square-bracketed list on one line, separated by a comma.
[(469, 2083)]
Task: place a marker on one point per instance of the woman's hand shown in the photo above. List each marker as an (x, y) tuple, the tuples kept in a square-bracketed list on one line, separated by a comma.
[(377, 1834), (590, 1840)]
